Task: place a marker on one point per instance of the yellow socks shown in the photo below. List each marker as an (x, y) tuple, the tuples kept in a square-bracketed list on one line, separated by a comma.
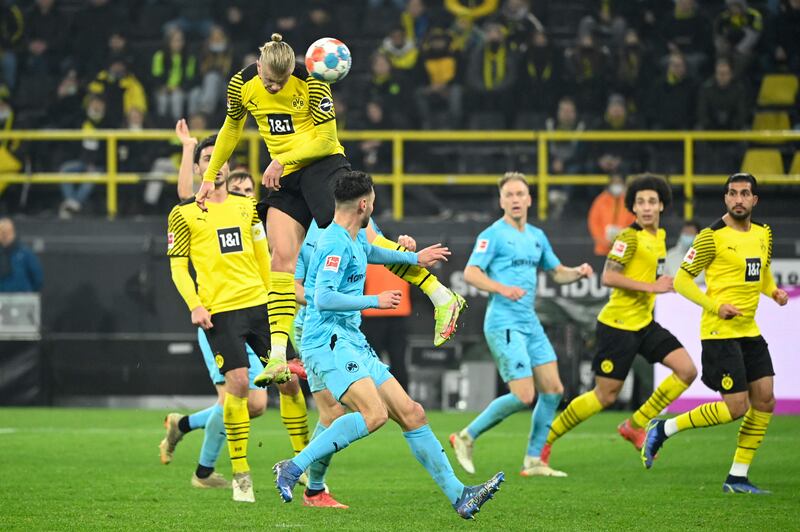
[(282, 307), (579, 409), (751, 434), (669, 390), (295, 418), (705, 415), (237, 429), (416, 275)]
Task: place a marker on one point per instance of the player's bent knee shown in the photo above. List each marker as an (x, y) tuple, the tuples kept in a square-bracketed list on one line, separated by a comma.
[(237, 382), (737, 407), (375, 418), (765, 404), (606, 397), (687, 375), (291, 387), (328, 415), (414, 417)]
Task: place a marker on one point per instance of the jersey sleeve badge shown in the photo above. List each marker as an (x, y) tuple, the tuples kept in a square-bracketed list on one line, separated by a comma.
[(482, 246), (690, 255), (618, 250), (332, 263)]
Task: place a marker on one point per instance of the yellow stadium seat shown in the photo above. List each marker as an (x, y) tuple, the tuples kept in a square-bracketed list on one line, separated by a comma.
[(794, 168), (771, 120), (778, 89), (760, 162)]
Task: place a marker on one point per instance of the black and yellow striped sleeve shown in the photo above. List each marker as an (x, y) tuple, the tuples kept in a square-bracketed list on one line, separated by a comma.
[(320, 101), (624, 247), (768, 229), (178, 234), (235, 110), (701, 254)]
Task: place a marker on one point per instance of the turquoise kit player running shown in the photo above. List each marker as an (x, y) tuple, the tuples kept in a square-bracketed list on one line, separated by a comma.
[(336, 355), (505, 263)]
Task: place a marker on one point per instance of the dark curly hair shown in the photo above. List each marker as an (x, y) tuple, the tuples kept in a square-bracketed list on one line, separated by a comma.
[(203, 144), (648, 182), (352, 185)]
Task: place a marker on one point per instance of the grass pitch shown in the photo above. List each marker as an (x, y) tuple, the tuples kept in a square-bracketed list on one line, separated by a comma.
[(82, 469)]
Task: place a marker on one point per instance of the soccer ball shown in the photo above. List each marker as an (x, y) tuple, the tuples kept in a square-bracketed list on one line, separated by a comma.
[(328, 60)]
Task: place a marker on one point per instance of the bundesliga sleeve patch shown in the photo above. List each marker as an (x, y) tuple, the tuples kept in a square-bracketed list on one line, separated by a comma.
[(690, 255), (332, 263), (618, 249), (482, 246), (325, 105), (170, 240), (258, 232)]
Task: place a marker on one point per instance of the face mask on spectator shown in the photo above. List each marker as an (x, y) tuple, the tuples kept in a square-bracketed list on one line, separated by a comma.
[(616, 189), (217, 47), (5, 112), (685, 241), (95, 115)]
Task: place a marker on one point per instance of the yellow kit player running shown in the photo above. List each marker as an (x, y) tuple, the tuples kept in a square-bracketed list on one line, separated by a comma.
[(228, 249), (625, 326), (297, 119), (735, 253)]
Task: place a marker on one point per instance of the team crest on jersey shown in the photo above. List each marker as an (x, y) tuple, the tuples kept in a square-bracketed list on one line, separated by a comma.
[(482, 246), (298, 102), (618, 249), (244, 211), (690, 255), (325, 105), (351, 366), (332, 263), (727, 382), (170, 240), (606, 366)]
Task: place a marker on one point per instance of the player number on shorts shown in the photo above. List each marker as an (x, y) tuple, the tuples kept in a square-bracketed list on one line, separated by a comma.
[(230, 240)]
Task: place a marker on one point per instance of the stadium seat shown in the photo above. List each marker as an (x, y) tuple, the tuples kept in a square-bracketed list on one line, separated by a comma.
[(762, 162), (778, 89), (794, 168), (771, 121)]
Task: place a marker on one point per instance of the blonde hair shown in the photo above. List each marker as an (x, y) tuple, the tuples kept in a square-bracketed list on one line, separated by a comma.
[(511, 176), (276, 55)]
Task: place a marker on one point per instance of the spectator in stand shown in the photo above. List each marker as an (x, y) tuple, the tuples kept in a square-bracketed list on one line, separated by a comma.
[(67, 108), (605, 24), (565, 155), (416, 20), (11, 31), (471, 9), (586, 71), (173, 72), (466, 37), (617, 157), (20, 269), (722, 103), (91, 28), (239, 22), (392, 90), (539, 82), (216, 65), (676, 253), (688, 31), (608, 215), (92, 158), (737, 31), (491, 73), (120, 90), (633, 64), (376, 155), (9, 156), (521, 23), (787, 35), (672, 98), (318, 23), (45, 37), (401, 51), (193, 18), (440, 87)]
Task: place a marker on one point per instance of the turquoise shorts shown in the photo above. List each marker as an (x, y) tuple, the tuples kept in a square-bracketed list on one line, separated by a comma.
[(216, 377), (516, 353), (338, 368)]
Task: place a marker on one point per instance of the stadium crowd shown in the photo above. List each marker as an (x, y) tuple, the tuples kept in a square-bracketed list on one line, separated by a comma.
[(419, 64)]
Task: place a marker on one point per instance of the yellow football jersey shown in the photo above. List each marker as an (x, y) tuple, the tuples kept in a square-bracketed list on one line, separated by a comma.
[(219, 243), (642, 254), (735, 263), (285, 120)]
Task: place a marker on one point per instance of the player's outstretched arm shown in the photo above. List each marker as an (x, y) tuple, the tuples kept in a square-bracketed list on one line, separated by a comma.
[(614, 277), (685, 286), (478, 278), (565, 275), (186, 169)]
